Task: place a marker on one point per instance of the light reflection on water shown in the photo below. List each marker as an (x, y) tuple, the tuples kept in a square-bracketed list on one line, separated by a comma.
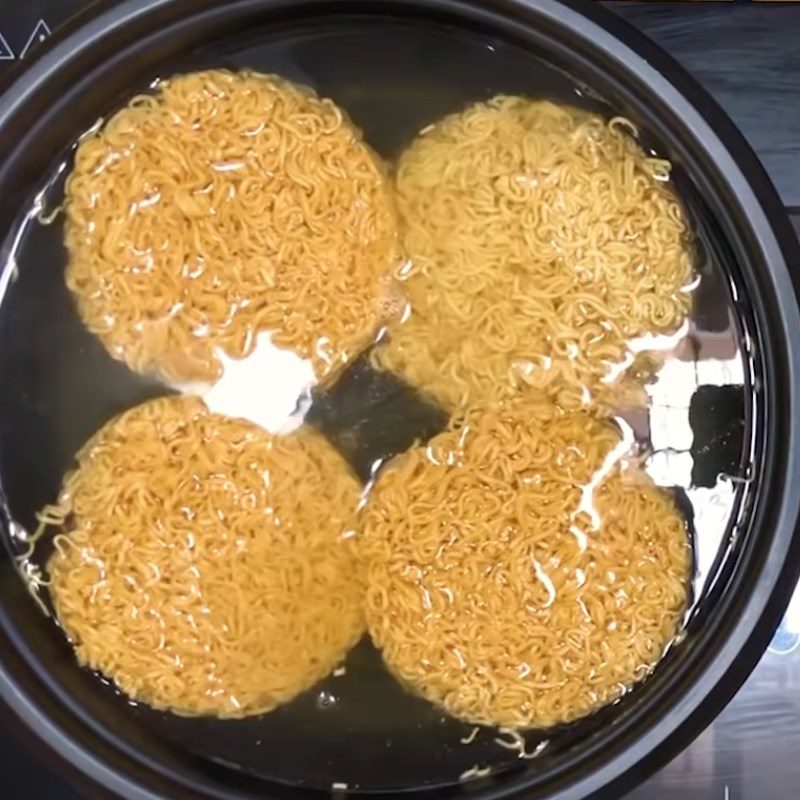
[(696, 359)]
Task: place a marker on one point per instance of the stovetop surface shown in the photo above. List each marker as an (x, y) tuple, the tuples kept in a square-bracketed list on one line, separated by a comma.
[(747, 55)]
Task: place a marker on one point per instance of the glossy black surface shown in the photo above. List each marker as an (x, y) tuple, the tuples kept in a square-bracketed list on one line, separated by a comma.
[(711, 780)]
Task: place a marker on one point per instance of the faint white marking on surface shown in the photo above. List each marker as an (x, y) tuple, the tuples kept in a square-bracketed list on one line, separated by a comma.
[(6, 53), (39, 33)]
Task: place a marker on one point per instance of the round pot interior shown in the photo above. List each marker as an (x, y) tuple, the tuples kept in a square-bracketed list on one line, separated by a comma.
[(395, 67)]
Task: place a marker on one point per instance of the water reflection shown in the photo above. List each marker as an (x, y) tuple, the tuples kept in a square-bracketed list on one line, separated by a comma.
[(694, 423)]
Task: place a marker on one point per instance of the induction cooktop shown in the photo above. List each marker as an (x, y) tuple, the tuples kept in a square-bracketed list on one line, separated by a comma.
[(746, 55)]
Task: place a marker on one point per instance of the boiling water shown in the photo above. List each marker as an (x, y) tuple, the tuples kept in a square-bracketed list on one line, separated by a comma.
[(358, 728)]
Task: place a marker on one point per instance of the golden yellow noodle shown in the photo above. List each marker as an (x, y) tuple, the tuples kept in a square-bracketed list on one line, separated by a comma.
[(518, 570), (517, 573), (221, 205), (205, 565), (542, 240)]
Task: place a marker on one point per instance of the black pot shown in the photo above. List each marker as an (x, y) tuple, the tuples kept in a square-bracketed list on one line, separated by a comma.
[(394, 65)]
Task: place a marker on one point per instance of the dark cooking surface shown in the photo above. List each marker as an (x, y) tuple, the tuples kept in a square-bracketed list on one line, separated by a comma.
[(751, 62)]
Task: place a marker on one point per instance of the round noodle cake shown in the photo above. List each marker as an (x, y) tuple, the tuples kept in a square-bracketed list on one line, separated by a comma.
[(206, 566), (517, 573), (542, 241), (221, 205)]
